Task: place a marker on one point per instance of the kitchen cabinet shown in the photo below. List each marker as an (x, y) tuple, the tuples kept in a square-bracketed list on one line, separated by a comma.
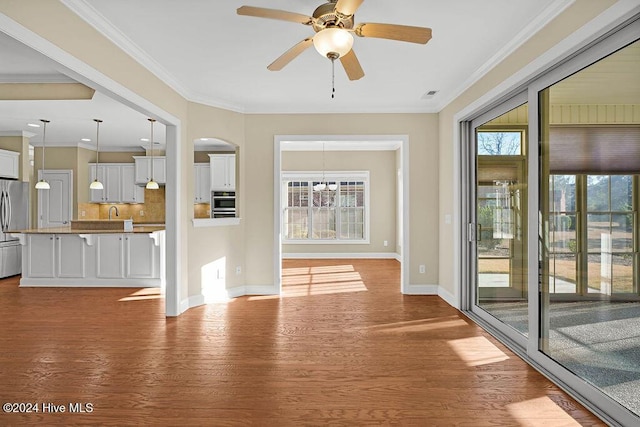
[(131, 193), (223, 172), (141, 257), (10, 260), (124, 256), (109, 175), (56, 255), (118, 180), (9, 164), (143, 169), (202, 180), (69, 259)]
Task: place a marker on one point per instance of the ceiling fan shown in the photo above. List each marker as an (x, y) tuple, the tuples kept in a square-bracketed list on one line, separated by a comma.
[(333, 23)]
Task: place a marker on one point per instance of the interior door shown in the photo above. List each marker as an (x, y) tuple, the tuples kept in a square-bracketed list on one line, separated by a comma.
[(54, 205)]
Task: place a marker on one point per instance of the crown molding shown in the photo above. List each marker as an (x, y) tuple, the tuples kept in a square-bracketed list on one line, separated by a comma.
[(22, 133), (36, 78), (94, 18), (534, 26)]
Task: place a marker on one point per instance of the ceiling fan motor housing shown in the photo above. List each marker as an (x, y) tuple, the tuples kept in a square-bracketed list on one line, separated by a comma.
[(325, 16)]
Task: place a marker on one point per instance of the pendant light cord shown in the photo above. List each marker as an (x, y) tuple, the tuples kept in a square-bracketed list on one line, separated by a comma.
[(98, 121), (151, 146), (44, 140)]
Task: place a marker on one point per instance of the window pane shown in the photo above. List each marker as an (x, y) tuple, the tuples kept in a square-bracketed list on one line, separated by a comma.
[(499, 143), (598, 193), (598, 232), (323, 223), (621, 193), (563, 193), (622, 232)]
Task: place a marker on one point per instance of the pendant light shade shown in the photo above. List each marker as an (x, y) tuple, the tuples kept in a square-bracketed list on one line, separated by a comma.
[(43, 184), (151, 185), (97, 185)]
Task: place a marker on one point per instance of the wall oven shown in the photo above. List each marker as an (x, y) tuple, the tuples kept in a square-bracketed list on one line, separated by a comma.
[(223, 204)]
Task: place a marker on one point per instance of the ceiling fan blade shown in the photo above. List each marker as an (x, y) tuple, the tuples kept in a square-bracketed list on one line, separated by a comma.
[(282, 15), (348, 7), (352, 65), (290, 55), (403, 33)]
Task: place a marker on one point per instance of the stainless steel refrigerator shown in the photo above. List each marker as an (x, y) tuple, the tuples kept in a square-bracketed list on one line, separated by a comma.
[(14, 215)]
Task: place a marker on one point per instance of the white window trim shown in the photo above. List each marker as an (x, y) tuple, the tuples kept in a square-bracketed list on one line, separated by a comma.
[(329, 176)]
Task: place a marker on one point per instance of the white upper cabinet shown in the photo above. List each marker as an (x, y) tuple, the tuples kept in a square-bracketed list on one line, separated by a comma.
[(223, 172), (9, 164), (202, 180), (143, 169), (131, 193), (109, 175), (118, 182)]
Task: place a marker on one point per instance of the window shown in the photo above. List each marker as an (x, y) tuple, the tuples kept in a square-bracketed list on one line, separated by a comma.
[(499, 143), (337, 213)]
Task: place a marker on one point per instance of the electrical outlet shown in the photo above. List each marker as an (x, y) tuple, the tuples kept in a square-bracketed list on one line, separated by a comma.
[(238, 270), (82, 213), (386, 243), (141, 212), (423, 269)]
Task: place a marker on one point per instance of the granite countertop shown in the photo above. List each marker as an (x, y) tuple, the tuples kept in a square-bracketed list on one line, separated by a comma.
[(68, 230)]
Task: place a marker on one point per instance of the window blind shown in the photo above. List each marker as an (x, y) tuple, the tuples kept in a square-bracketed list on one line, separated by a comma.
[(594, 150)]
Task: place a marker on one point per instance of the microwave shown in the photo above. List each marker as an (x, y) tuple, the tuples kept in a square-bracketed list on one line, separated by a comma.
[(223, 202)]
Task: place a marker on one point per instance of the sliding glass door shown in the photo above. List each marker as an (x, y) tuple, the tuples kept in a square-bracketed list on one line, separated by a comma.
[(589, 202), (500, 216), (551, 233)]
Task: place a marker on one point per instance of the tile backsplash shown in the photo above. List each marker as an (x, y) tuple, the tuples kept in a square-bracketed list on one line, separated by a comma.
[(151, 211)]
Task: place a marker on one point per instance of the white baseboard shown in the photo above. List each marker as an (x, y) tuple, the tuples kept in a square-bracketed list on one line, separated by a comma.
[(261, 290), (354, 255), (449, 298), (27, 282), (421, 290), (238, 291)]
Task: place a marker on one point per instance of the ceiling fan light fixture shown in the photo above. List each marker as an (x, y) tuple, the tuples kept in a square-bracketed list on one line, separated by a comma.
[(333, 41)]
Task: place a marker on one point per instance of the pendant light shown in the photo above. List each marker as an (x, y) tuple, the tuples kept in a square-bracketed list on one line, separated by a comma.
[(43, 184), (322, 185), (97, 185), (152, 185)]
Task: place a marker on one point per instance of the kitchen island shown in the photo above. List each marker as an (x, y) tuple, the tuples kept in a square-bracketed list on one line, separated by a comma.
[(71, 257)]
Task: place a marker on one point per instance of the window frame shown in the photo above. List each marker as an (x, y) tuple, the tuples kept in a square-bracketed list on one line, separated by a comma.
[(333, 176)]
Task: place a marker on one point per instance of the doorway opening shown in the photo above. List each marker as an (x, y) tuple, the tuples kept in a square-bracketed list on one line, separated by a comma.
[(346, 232)]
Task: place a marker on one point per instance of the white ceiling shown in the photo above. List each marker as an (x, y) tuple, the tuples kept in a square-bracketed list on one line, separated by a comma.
[(209, 54)]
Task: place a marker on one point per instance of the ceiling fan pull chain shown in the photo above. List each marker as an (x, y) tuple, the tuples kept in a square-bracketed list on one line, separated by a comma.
[(333, 78)]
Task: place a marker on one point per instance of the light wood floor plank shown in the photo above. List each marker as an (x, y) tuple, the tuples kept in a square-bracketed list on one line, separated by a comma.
[(342, 346)]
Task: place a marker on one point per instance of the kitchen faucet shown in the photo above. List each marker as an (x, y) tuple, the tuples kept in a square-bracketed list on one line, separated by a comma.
[(117, 213)]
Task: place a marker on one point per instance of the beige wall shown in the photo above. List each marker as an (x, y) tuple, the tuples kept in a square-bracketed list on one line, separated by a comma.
[(575, 16), (382, 194)]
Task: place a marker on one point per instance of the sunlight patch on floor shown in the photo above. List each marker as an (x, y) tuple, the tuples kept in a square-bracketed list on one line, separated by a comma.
[(476, 351), (321, 280), (144, 294), (420, 325), (531, 412)]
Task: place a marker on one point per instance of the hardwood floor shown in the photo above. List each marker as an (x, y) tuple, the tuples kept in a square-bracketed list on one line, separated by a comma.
[(341, 347)]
